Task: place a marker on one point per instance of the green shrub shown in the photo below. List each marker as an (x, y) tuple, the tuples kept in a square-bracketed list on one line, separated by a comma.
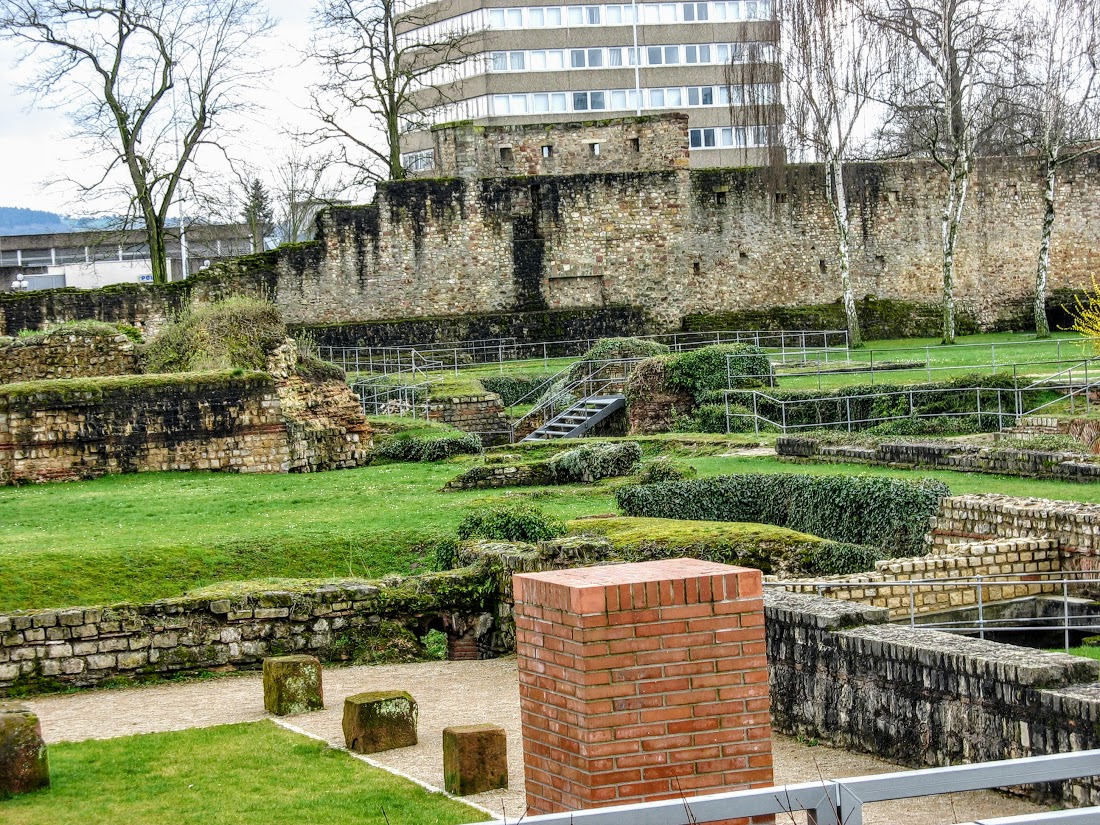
[(513, 388), (888, 513), (592, 462), (835, 558), (664, 468), (614, 349), (706, 418), (416, 448), (238, 333), (708, 370), (513, 521)]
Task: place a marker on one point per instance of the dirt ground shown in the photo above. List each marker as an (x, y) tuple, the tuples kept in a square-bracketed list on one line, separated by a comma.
[(447, 693)]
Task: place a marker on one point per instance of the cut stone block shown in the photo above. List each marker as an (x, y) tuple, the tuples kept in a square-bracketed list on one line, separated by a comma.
[(475, 759), (292, 684), (24, 764), (379, 721)]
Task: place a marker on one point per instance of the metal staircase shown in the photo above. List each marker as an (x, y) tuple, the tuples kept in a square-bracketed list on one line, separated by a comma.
[(578, 419)]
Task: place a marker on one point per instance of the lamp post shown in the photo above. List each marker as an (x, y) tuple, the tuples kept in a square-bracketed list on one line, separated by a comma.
[(20, 284)]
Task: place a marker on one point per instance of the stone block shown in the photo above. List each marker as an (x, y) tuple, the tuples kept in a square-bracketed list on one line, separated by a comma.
[(475, 759), (24, 764), (292, 684), (379, 721)]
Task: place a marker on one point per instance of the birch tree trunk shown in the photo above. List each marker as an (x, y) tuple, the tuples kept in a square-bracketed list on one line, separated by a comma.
[(958, 183), (1042, 271), (839, 203)]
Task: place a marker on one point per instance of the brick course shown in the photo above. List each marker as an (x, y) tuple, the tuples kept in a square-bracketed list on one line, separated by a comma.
[(641, 682)]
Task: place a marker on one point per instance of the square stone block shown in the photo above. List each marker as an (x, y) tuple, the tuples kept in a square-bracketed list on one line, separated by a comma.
[(475, 759), (292, 684), (380, 720), (24, 764)]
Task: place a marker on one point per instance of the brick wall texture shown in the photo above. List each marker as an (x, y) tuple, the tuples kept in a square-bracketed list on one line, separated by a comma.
[(641, 682)]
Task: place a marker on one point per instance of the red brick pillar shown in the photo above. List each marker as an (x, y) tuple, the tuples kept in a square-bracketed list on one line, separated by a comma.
[(641, 682)]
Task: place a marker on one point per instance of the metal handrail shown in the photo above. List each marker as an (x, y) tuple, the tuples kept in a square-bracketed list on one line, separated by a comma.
[(838, 801)]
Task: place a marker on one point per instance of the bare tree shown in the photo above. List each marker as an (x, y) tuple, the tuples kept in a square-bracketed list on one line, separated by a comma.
[(385, 61), (947, 96), (304, 185), (1060, 106), (146, 83), (833, 66)]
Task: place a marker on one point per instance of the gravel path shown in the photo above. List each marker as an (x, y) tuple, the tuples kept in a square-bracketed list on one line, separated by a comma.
[(447, 693)]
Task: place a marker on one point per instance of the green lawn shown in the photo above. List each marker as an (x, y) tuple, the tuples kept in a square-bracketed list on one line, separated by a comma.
[(228, 775), (147, 536)]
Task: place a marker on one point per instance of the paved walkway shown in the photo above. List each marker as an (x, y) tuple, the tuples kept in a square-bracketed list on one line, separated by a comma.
[(447, 693)]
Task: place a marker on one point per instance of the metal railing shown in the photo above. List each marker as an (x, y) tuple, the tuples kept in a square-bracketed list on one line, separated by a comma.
[(593, 378), (456, 355), (403, 392), (841, 801), (981, 594)]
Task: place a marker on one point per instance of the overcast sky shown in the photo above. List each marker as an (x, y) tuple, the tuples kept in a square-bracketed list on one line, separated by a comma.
[(34, 144)]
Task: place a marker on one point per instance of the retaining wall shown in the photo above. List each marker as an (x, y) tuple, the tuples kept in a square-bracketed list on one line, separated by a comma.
[(922, 697), (67, 354), (960, 457), (481, 414)]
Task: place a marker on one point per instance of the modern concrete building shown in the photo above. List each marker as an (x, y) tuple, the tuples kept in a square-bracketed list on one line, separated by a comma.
[(715, 61), (92, 259)]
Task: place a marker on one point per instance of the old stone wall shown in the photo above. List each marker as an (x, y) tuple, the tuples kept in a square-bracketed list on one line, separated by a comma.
[(631, 144), (480, 414), (675, 242), (967, 458), (67, 354), (922, 697), (888, 585), (84, 428), (50, 649), (990, 517)]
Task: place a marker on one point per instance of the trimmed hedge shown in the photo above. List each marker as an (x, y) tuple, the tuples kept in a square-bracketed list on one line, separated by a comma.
[(709, 370), (888, 513), (513, 388), (515, 521), (592, 462), (416, 448)]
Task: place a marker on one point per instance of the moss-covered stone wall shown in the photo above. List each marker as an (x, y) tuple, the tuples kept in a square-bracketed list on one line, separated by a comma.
[(721, 247)]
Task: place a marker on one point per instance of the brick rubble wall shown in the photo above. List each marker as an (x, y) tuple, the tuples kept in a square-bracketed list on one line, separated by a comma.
[(481, 414), (1016, 558), (641, 682), (960, 457), (53, 649), (922, 697), (1074, 526), (67, 355), (85, 428)]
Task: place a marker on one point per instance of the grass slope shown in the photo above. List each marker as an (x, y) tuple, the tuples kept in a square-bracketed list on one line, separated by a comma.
[(229, 775), (148, 536)]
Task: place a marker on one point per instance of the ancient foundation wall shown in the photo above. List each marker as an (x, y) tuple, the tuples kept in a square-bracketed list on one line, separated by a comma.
[(67, 354), (966, 458), (84, 428), (51, 649), (675, 242), (481, 414), (922, 697)]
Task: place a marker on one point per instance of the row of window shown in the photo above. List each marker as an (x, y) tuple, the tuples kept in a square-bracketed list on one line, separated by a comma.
[(555, 17), (720, 137), (615, 56), (627, 99)]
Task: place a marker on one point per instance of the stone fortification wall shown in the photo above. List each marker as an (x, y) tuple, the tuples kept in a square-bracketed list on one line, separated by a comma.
[(983, 518), (676, 242), (481, 414), (84, 428), (632, 144), (922, 697), (967, 458), (67, 354)]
